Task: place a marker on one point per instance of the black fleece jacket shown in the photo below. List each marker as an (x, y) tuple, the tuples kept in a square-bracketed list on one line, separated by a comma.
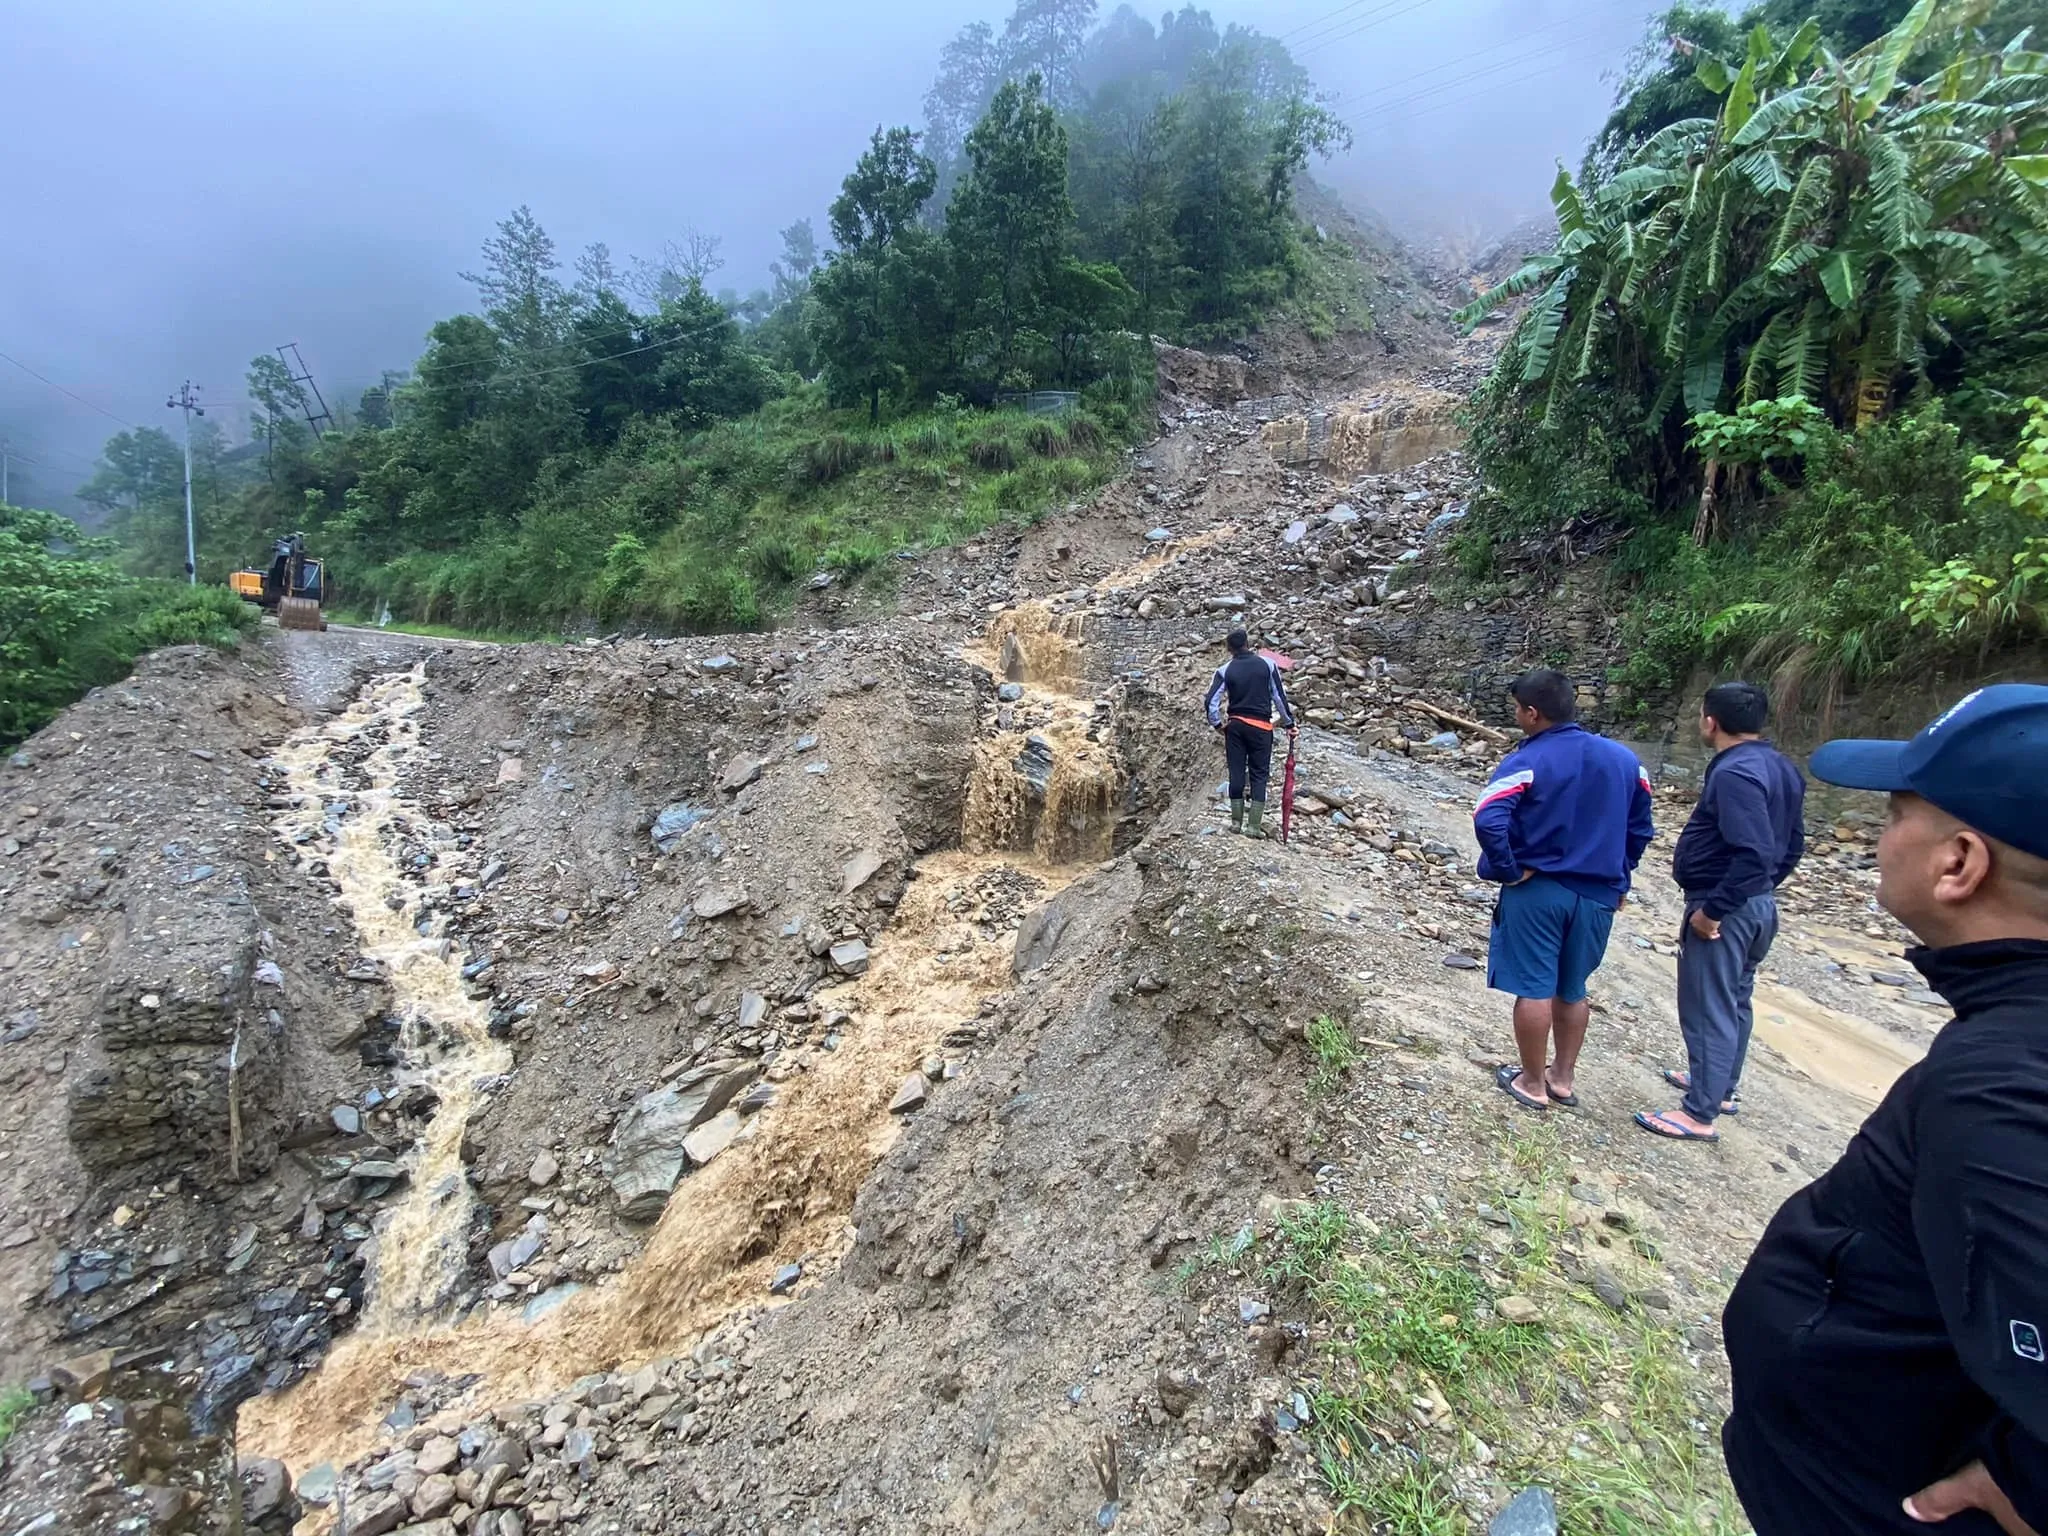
[(1748, 831), (1892, 1326)]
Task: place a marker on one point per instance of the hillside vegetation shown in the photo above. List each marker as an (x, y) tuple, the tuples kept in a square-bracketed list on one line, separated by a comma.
[(620, 445), (1786, 341), (72, 619)]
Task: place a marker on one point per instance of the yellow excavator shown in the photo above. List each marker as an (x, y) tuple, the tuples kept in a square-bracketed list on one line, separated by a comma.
[(293, 587)]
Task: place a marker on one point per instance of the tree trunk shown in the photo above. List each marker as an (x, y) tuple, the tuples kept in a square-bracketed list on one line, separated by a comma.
[(1703, 525)]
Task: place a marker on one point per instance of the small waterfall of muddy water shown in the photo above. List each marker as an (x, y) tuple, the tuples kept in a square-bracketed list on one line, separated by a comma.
[(345, 775), (785, 1189), (1047, 783)]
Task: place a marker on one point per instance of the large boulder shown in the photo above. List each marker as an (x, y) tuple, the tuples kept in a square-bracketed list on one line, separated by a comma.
[(649, 1152)]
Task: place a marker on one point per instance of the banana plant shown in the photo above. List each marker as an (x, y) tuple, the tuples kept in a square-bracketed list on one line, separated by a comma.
[(1797, 244)]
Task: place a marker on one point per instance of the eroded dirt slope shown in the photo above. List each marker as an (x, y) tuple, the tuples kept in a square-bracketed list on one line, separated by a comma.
[(847, 1079)]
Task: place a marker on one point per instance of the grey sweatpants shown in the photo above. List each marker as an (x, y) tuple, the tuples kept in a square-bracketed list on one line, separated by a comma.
[(1716, 979)]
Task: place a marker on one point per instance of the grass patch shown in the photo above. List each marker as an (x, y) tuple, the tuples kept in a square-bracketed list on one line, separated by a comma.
[(428, 631), (15, 1403), (1335, 1053), (1224, 1250), (718, 529), (1600, 1409), (1395, 1491)]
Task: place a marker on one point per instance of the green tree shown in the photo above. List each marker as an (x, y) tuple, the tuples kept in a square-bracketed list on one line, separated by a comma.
[(859, 325), (1219, 214), (1660, 83), (597, 275), (799, 259), (522, 296), (48, 599), (1008, 224), (1083, 300), (1046, 38), (970, 69), (1125, 181), (281, 405)]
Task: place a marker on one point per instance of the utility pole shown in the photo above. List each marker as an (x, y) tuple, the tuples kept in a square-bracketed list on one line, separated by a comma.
[(4, 446), (187, 400), (321, 420)]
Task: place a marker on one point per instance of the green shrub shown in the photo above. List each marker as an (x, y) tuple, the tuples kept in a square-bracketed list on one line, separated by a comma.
[(1045, 439), (992, 452), (719, 601), (850, 557), (70, 621), (1811, 587), (926, 442), (624, 566), (774, 558), (15, 1403), (177, 613), (1584, 461), (829, 458), (1083, 435)]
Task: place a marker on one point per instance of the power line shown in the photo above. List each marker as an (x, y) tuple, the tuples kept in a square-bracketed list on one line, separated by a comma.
[(1364, 24), (1576, 21), (66, 453), (588, 362), (1488, 91), (1325, 28), (24, 367), (1394, 105)]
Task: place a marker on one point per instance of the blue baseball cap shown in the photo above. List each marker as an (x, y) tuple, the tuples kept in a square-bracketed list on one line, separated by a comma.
[(1985, 762)]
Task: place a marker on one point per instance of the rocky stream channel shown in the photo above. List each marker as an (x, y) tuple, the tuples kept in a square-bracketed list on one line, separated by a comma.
[(593, 1373)]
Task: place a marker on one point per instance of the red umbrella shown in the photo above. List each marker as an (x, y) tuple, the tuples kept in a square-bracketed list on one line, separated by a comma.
[(1287, 790), (1285, 664)]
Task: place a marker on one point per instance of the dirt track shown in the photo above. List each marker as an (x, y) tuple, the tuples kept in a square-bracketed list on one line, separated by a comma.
[(1009, 1314)]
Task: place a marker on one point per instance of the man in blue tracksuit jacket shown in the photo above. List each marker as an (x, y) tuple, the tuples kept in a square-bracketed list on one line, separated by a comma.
[(1746, 836), (1561, 829)]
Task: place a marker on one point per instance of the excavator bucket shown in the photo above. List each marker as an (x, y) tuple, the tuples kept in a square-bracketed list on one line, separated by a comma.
[(299, 613)]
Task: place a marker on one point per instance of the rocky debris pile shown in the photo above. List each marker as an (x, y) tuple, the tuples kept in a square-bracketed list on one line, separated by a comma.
[(1383, 433), (571, 1461), (1334, 580), (116, 1445), (652, 856), (167, 967)]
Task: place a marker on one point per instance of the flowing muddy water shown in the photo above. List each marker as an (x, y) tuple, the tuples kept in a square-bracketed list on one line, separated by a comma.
[(781, 1193), (1048, 782), (351, 817)]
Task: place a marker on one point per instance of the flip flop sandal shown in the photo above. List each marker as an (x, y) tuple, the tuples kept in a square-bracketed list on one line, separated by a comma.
[(1504, 1080), (1567, 1100), (1682, 1081), (1661, 1124)]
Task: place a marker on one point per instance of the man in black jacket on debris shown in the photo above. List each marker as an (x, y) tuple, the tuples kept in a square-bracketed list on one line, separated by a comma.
[(1245, 696), (1746, 836), (1889, 1339)]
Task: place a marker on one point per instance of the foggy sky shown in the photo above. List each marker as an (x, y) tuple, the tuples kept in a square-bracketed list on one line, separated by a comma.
[(188, 185)]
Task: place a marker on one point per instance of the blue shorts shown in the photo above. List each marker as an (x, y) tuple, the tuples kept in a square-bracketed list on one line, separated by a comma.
[(1547, 940)]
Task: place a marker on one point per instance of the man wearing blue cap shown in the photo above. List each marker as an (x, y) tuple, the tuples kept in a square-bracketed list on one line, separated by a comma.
[(1889, 1339)]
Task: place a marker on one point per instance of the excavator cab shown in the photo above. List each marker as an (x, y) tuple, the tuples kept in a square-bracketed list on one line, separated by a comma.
[(293, 586)]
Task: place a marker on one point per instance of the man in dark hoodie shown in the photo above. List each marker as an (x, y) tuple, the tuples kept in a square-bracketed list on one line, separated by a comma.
[(1889, 1339), (1245, 697), (1746, 836)]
